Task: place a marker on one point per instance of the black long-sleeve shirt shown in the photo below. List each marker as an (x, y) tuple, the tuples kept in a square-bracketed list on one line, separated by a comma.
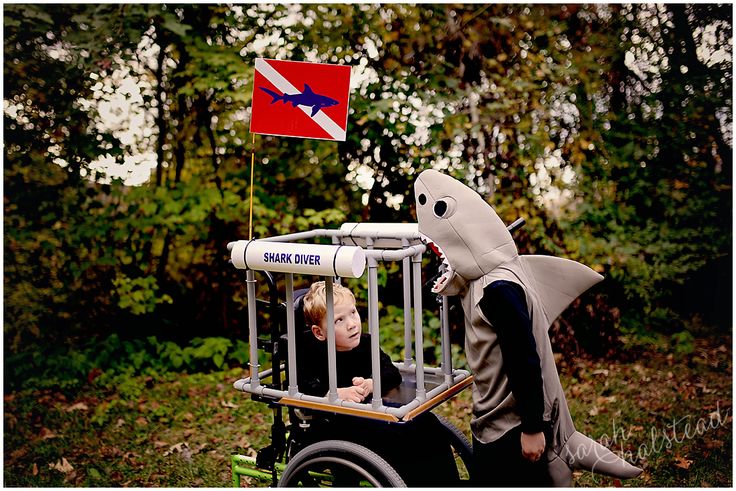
[(313, 377), (504, 305)]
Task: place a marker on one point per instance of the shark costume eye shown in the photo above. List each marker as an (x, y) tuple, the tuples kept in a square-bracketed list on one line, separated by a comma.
[(445, 207), (422, 199)]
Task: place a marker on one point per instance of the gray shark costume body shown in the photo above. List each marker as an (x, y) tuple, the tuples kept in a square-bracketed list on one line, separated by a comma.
[(477, 250)]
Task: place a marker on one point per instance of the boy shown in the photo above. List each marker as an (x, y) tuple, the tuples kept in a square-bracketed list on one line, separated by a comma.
[(353, 354), (406, 446)]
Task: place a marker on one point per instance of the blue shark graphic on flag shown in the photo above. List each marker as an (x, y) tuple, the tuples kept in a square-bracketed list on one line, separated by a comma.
[(307, 98)]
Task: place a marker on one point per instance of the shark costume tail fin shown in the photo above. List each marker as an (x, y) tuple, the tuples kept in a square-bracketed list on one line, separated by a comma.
[(559, 281), (583, 453)]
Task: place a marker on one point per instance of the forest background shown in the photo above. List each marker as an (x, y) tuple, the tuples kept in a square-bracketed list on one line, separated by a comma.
[(127, 166)]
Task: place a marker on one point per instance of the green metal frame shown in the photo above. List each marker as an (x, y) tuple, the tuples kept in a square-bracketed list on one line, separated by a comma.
[(243, 465)]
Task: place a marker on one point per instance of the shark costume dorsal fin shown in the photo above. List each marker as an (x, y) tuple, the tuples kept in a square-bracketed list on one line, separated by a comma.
[(559, 281)]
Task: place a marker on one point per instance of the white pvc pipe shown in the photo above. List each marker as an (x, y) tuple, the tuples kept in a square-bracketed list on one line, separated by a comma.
[(313, 259), (384, 235)]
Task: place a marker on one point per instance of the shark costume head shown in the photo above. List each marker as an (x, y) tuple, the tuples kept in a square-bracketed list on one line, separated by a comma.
[(462, 228), (476, 250)]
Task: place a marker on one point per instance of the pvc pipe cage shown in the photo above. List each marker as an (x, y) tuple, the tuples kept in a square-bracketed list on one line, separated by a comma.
[(400, 242)]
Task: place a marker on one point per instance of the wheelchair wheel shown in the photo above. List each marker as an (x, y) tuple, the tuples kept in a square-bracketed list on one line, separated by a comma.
[(339, 463), (460, 443)]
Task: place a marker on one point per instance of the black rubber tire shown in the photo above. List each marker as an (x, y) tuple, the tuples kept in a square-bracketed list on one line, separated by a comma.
[(458, 440), (345, 460)]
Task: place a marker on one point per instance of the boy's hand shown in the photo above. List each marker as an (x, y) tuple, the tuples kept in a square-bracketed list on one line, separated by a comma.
[(532, 446), (350, 394), (364, 385)]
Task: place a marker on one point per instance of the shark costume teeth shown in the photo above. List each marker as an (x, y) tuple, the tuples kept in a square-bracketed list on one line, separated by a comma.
[(477, 249)]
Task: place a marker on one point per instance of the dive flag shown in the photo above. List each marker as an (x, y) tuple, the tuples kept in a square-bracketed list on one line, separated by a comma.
[(300, 99)]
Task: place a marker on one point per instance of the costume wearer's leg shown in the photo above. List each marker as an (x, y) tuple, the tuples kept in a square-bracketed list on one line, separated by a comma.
[(500, 463), (429, 461)]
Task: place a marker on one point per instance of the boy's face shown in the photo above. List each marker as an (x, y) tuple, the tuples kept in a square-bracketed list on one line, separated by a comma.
[(347, 326)]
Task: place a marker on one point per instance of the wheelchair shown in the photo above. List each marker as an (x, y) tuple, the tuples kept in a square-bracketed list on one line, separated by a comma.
[(305, 450)]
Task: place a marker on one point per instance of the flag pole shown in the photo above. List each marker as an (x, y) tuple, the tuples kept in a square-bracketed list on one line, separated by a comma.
[(252, 164)]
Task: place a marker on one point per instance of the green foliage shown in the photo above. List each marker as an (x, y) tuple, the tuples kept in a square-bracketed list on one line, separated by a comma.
[(683, 343), (112, 362), (392, 337), (538, 107), (138, 295)]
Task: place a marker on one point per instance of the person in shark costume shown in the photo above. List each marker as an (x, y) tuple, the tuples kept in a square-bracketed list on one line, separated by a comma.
[(478, 251)]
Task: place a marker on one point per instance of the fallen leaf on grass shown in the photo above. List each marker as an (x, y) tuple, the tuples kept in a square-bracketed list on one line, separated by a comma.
[(189, 432), (10, 421), (229, 404), (216, 455), (141, 421), (602, 400), (80, 406), (70, 477), (34, 471), (159, 444), (243, 442), (47, 434), (178, 448), (682, 462), (62, 465), (17, 454)]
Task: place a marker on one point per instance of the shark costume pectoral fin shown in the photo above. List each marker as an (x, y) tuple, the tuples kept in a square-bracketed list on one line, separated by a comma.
[(559, 281)]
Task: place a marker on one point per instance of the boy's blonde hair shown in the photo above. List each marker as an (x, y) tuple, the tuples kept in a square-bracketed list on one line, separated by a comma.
[(315, 301)]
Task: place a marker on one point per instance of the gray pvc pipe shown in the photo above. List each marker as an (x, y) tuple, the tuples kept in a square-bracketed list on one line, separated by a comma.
[(445, 340), (406, 273), (291, 334), (331, 349), (397, 254), (373, 329), (252, 327), (418, 335)]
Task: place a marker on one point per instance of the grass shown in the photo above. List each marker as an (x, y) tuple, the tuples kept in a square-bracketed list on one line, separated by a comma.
[(177, 431), (670, 415)]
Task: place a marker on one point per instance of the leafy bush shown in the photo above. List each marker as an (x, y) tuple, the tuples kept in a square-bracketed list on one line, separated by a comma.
[(112, 361)]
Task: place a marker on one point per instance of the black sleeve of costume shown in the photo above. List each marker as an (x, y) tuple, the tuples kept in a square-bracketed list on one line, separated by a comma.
[(504, 305), (311, 365), (390, 375)]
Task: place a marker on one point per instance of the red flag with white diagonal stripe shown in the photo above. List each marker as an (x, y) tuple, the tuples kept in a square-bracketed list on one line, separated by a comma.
[(300, 99)]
